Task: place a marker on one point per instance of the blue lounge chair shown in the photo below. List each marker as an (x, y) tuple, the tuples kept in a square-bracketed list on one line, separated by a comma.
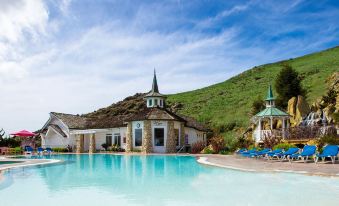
[(330, 151), (40, 151), (261, 153), (249, 152), (241, 151), (308, 151), (28, 150), (284, 155), (49, 150), (271, 154)]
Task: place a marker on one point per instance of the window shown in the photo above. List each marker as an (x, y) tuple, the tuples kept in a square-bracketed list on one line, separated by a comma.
[(160, 102), (138, 137), (117, 139), (155, 102), (176, 133), (150, 102), (159, 137), (109, 139)]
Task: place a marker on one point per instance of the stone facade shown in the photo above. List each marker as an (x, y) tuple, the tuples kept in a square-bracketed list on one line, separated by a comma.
[(170, 141), (79, 143), (147, 141), (129, 142), (92, 143)]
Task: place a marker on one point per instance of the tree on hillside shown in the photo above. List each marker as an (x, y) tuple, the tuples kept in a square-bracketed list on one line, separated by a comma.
[(288, 85), (257, 106)]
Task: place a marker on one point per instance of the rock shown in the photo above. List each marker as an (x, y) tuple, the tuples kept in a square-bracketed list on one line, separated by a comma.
[(302, 109), (298, 108), (316, 106), (291, 106), (328, 114)]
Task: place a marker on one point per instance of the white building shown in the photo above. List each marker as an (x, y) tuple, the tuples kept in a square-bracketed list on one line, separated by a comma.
[(153, 128)]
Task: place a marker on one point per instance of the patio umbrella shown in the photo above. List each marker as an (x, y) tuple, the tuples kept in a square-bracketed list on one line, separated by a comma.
[(23, 133)]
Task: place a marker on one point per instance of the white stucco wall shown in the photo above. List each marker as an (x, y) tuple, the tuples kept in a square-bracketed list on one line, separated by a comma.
[(194, 135)]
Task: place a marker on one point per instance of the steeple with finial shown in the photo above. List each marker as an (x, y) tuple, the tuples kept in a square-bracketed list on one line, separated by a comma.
[(270, 99), (154, 98)]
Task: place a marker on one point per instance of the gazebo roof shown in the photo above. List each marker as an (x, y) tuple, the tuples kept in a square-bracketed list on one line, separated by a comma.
[(270, 94), (272, 112)]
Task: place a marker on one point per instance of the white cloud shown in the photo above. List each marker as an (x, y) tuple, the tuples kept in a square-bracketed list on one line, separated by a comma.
[(43, 69), (18, 17)]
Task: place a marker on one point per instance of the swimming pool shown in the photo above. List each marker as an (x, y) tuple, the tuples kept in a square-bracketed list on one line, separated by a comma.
[(104, 179)]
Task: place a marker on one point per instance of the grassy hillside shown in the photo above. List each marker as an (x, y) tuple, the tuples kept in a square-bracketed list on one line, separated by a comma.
[(228, 103)]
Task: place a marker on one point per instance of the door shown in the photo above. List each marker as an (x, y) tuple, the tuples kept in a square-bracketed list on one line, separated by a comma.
[(159, 140)]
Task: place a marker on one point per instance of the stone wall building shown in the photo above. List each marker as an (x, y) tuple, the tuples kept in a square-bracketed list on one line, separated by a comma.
[(152, 128)]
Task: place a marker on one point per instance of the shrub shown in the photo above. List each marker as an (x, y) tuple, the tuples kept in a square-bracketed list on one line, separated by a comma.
[(257, 106), (116, 148), (10, 142), (284, 146), (244, 142), (208, 150), (105, 146), (328, 139), (59, 149), (197, 147), (225, 151), (217, 143), (270, 140)]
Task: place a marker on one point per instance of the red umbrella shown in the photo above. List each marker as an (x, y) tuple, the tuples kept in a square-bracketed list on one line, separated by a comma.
[(23, 133)]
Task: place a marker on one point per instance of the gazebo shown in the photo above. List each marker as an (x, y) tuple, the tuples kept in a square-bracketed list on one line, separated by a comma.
[(269, 114)]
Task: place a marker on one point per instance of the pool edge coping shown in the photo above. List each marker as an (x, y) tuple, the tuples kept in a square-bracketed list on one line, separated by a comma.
[(29, 162), (204, 160)]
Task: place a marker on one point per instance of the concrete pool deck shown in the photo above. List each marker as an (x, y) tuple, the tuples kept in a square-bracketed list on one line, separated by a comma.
[(261, 165)]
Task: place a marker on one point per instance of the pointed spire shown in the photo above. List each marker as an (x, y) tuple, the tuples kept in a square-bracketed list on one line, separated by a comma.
[(155, 83), (270, 94)]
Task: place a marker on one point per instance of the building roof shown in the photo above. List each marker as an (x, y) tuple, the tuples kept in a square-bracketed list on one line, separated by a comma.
[(58, 130), (72, 121), (270, 94), (272, 112), (119, 120), (155, 89)]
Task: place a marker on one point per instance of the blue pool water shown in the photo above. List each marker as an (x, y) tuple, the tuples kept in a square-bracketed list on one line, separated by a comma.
[(157, 180)]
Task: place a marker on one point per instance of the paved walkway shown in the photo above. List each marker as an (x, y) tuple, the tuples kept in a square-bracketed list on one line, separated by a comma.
[(261, 165)]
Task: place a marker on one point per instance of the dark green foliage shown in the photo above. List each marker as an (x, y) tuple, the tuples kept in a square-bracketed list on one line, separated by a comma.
[(288, 85), (104, 145), (243, 142), (59, 149), (328, 139), (284, 146), (257, 106), (10, 142), (330, 97)]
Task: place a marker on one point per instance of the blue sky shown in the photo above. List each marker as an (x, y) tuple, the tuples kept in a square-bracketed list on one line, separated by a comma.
[(75, 56)]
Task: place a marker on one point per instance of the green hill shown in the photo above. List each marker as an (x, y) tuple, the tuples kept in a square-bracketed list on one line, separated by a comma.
[(227, 104)]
